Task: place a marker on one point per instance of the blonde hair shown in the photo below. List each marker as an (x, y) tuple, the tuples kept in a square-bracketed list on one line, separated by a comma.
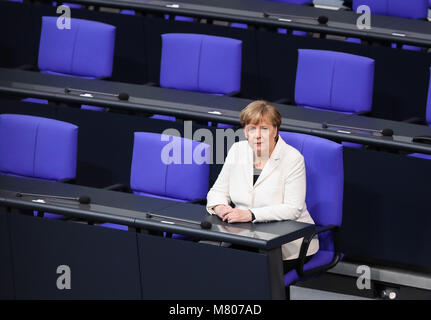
[(258, 110)]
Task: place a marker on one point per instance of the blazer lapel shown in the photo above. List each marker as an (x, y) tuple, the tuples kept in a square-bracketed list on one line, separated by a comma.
[(248, 165), (272, 162)]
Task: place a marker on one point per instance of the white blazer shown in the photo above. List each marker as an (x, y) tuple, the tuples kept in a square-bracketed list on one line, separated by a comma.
[(278, 194)]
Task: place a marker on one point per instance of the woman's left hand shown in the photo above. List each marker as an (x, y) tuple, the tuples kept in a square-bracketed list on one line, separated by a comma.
[(237, 215)]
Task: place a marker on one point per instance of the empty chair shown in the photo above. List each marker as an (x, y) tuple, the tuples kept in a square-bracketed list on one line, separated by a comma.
[(201, 63), (334, 81), (324, 199), (168, 167), (86, 50), (36, 147), (412, 9)]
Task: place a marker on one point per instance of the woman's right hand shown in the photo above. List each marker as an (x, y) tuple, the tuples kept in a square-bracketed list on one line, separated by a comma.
[(221, 210)]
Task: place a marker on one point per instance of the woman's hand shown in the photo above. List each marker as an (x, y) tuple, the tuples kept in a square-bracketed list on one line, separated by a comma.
[(237, 215), (222, 210)]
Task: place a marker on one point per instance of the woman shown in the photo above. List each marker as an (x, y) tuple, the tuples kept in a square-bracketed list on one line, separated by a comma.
[(264, 178)]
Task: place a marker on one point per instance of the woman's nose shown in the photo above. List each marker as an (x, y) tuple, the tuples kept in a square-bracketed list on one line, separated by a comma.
[(258, 133)]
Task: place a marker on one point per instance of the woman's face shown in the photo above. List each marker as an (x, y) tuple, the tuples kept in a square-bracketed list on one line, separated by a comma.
[(261, 136)]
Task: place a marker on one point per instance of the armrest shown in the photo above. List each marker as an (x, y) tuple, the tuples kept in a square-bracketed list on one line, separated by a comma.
[(304, 248), (119, 187), (202, 201)]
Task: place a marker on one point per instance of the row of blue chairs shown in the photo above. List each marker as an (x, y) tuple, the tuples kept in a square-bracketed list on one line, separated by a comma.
[(326, 80), (41, 148)]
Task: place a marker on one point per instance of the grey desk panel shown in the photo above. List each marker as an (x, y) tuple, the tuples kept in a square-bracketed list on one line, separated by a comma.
[(176, 269), (7, 286), (103, 262)]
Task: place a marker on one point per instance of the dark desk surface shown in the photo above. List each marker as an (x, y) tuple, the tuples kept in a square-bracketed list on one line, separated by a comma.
[(301, 17), (129, 209), (193, 105)]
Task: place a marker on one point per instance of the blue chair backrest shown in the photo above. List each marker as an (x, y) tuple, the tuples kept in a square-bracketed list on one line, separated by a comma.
[(412, 9), (37, 147), (169, 167), (84, 50), (325, 179), (197, 62), (334, 81)]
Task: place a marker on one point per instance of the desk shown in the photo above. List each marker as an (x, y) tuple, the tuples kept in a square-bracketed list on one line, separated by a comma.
[(199, 106), (113, 264), (275, 14)]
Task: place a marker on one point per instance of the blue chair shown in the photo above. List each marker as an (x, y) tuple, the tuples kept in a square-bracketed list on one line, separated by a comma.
[(168, 167), (413, 9), (86, 50), (334, 81), (325, 183), (201, 63), (36, 147)]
